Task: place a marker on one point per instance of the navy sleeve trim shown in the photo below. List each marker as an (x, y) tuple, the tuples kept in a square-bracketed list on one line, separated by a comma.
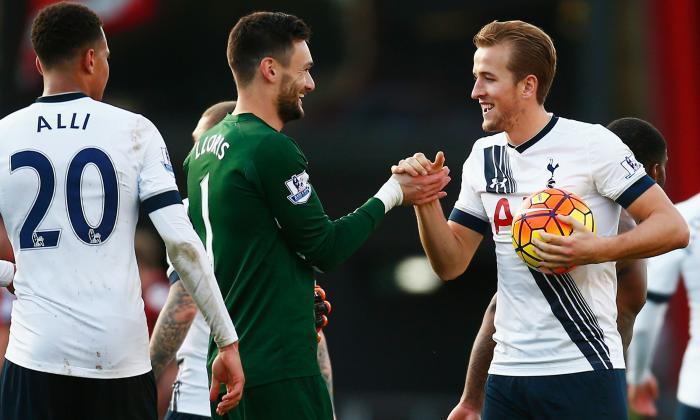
[(470, 221), (161, 200), (658, 297), (634, 191), (173, 277)]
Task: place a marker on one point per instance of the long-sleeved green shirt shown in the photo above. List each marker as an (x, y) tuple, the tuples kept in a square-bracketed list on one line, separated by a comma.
[(253, 206)]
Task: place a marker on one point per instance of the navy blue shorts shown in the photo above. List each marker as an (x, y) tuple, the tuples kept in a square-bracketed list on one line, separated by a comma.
[(686, 412), (27, 394), (598, 394), (174, 415)]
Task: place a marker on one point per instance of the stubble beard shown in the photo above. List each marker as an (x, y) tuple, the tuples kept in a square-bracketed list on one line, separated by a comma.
[(288, 106), (504, 120)]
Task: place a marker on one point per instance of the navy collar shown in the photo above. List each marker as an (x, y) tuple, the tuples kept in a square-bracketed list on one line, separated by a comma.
[(61, 97), (529, 143)]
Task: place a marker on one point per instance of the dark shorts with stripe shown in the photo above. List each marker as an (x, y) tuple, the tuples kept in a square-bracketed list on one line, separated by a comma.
[(598, 394), (27, 394)]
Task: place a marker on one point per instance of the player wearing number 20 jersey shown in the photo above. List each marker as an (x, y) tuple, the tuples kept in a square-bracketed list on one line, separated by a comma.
[(73, 174), (69, 195)]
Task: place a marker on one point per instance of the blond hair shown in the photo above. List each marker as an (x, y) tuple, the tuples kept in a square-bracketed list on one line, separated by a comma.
[(532, 51)]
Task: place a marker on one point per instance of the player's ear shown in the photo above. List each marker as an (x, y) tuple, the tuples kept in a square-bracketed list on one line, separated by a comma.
[(268, 69), (87, 61), (654, 172), (39, 68), (529, 86)]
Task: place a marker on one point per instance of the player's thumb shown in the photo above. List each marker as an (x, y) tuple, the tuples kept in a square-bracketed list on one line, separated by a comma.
[(439, 160)]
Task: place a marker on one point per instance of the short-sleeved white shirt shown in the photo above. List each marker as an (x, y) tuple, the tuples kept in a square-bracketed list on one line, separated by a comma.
[(551, 324), (73, 173)]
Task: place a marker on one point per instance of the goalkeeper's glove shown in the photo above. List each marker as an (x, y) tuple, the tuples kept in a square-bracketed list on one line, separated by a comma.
[(322, 308)]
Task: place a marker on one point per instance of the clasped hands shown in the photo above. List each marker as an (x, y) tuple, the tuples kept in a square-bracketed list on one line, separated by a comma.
[(421, 180)]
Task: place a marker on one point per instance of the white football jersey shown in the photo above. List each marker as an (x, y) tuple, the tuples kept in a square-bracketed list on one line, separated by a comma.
[(551, 324), (73, 173), (663, 275)]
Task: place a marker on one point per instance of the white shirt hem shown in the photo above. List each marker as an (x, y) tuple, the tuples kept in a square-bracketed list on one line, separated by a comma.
[(77, 371), (545, 370)]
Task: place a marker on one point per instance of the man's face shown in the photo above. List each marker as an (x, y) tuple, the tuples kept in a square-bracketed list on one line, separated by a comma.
[(495, 88), (101, 74), (296, 82)]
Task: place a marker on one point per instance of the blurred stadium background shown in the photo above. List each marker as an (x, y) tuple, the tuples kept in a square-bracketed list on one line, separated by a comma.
[(393, 78)]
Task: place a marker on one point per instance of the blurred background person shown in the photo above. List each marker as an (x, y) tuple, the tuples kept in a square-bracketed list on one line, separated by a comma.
[(664, 274)]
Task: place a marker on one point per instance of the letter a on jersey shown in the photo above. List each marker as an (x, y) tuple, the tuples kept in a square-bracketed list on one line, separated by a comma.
[(299, 187)]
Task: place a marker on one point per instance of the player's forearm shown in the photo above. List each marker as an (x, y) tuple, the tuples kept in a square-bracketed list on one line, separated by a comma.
[(171, 327), (625, 326), (441, 245), (480, 360), (326, 244), (631, 296), (190, 261), (644, 240), (324, 363), (187, 255)]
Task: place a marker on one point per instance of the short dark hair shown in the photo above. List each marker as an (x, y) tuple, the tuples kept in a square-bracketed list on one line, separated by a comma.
[(61, 30), (645, 141), (259, 35)]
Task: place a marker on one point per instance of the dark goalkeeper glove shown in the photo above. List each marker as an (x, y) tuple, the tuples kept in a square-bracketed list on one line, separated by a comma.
[(322, 308)]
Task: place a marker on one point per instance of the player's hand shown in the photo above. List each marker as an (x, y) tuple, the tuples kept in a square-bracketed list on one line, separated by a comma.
[(227, 369), (641, 397), (418, 164), (464, 411), (322, 308), (423, 189), (580, 248)]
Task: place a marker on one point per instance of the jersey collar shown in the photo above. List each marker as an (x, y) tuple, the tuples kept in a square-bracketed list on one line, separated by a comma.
[(529, 143), (61, 97)]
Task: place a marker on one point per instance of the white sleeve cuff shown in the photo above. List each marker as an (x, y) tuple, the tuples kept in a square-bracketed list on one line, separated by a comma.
[(390, 194)]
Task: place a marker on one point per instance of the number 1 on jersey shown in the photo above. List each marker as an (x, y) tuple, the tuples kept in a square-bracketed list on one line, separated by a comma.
[(208, 240)]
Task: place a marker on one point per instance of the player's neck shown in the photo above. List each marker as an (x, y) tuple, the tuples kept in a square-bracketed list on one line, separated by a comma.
[(55, 84), (260, 106), (528, 125)]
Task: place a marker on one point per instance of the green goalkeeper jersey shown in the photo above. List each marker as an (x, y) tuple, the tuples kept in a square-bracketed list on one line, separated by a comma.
[(253, 206)]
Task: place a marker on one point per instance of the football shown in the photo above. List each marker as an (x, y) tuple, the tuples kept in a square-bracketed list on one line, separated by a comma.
[(538, 214)]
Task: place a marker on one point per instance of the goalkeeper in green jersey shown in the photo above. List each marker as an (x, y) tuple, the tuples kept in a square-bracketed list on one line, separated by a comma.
[(253, 205)]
